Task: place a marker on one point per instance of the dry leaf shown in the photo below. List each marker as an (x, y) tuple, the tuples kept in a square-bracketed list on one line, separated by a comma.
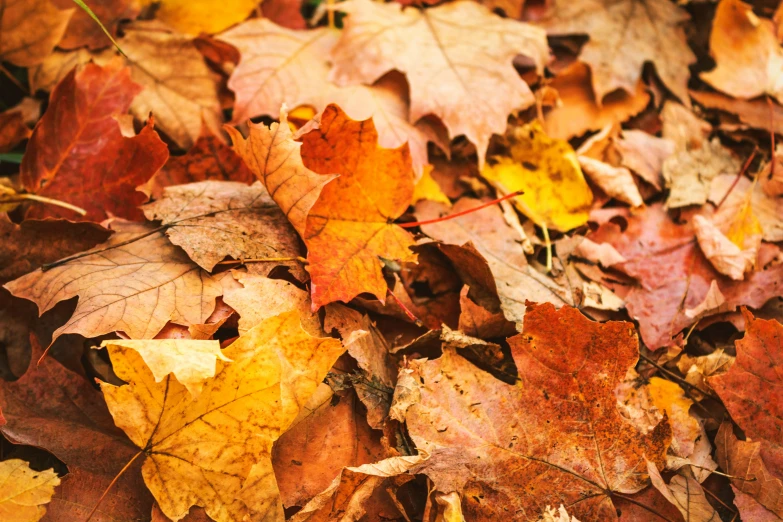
[(556, 194), (134, 288), (755, 113), (547, 440), (645, 155), (24, 491), (30, 29), (203, 16), (689, 174), (215, 451), (623, 36), (84, 32), (449, 42), (686, 494), (617, 182), (767, 210), (350, 227), (727, 258), (684, 128), (748, 57)]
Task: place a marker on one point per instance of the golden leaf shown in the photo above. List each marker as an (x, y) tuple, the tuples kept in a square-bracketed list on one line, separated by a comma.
[(23, 491)]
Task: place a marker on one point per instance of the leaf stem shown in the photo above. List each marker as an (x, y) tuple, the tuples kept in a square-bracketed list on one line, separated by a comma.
[(87, 9), (114, 481), (264, 260), (460, 214), (548, 243), (404, 308), (742, 172), (18, 198)]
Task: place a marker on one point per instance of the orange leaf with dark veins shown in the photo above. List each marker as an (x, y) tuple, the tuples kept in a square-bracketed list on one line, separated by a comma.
[(77, 153), (350, 227), (556, 437)]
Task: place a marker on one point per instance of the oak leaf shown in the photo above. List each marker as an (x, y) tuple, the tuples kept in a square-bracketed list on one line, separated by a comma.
[(276, 159), (215, 450), (280, 66), (24, 491), (203, 16), (623, 37), (77, 153), (212, 220), (208, 159), (30, 29), (179, 88), (451, 42), (349, 228), (555, 437), (82, 30), (134, 288), (748, 56), (556, 194)]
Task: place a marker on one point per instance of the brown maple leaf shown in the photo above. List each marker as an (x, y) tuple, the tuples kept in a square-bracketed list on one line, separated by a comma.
[(84, 32), (30, 29), (134, 283), (623, 36), (457, 58), (78, 154), (350, 227), (554, 438), (212, 220)]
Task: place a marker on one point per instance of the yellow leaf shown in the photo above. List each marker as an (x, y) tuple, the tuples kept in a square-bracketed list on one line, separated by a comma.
[(214, 450), (23, 491), (745, 228), (556, 194), (204, 16), (428, 188)]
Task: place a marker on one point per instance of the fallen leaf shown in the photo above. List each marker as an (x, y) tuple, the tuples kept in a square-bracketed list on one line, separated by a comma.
[(535, 453), (561, 515), (714, 302), (428, 189), (749, 509), (514, 280), (623, 36), (134, 288), (617, 182), (477, 321), (83, 31), (78, 155), (30, 29), (179, 88), (275, 158), (24, 491), (682, 127), (12, 129), (645, 155), (686, 494), (689, 173), (425, 44), (749, 388), (697, 370), (345, 242), (55, 67), (212, 220), (203, 16), (556, 194), (771, 176), (208, 159), (191, 362), (754, 113), (669, 397), (54, 408), (286, 13), (727, 258), (750, 474), (217, 448), (580, 112), (766, 209), (748, 57)]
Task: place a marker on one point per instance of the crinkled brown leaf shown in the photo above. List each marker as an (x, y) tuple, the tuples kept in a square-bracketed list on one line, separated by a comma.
[(83, 31), (30, 29)]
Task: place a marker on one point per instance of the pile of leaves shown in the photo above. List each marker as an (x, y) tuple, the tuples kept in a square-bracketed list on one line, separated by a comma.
[(417, 261)]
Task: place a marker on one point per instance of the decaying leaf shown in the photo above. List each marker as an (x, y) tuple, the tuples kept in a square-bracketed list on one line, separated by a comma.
[(555, 437), (346, 241), (689, 174), (215, 450), (727, 257), (24, 492), (645, 155), (450, 42), (686, 494), (134, 288), (767, 210), (30, 29), (556, 194), (623, 36)]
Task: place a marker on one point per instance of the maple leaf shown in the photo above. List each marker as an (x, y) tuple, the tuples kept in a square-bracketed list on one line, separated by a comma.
[(556, 194), (279, 66), (623, 36), (208, 159), (54, 408), (82, 30), (748, 56), (77, 153), (686, 494), (178, 86), (212, 220), (275, 158), (350, 225), (215, 450), (555, 437), (579, 111), (24, 491), (745, 197), (202, 16), (513, 278), (461, 44), (134, 288), (30, 29)]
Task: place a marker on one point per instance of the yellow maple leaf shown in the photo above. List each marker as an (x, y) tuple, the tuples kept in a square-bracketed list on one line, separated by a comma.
[(427, 188), (23, 491), (215, 450), (204, 16), (547, 170)]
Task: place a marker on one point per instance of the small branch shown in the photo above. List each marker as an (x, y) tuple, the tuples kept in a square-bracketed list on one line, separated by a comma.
[(742, 172), (265, 260), (463, 213), (404, 308), (13, 79)]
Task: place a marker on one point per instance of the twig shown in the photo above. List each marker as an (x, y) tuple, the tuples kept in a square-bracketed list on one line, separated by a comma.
[(460, 214), (264, 260), (742, 172)]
